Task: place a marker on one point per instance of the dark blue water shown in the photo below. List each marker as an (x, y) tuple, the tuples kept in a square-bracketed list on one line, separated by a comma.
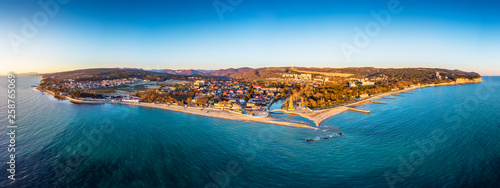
[(442, 136)]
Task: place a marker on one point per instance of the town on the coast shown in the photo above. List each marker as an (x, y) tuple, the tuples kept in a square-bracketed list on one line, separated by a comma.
[(246, 93)]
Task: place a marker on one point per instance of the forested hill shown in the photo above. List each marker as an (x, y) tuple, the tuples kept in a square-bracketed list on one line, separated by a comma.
[(424, 73), (356, 72), (264, 73), (109, 74)]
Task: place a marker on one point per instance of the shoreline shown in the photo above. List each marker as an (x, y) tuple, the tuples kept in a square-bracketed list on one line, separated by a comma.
[(319, 116), (212, 112), (316, 116)]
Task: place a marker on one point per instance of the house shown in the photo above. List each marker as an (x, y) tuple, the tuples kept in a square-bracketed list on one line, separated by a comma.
[(257, 86), (239, 91), (235, 107), (252, 106), (223, 106), (270, 89)]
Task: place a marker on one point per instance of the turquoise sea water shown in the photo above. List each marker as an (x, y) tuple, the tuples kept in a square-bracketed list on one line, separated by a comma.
[(441, 136)]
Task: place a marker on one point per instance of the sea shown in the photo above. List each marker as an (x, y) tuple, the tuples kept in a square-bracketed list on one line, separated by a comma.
[(444, 136)]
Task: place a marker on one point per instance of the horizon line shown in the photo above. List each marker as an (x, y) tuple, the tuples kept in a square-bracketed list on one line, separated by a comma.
[(67, 70)]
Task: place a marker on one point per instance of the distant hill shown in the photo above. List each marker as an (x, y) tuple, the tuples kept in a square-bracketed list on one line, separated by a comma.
[(261, 73), (356, 72), (190, 72), (27, 74), (186, 72), (231, 71), (110, 73)]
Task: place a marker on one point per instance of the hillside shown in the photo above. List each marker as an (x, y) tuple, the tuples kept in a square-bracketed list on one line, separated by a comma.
[(27, 74), (186, 72), (245, 73), (231, 71), (355, 72), (190, 72), (424, 73), (261, 73), (110, 73)]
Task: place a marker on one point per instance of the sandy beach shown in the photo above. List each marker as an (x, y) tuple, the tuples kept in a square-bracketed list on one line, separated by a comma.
[(212, 112), (317, 116)]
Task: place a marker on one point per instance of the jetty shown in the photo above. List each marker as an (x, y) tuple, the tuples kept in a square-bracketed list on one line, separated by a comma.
[(389, 97), (398, 95), (359, 110), (379, 102), (408, 93)]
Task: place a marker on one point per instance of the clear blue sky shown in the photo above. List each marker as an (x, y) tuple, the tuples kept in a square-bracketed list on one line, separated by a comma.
[(185, 34)]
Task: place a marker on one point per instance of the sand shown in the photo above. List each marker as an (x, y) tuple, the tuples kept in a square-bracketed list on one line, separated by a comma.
[(217, 113)]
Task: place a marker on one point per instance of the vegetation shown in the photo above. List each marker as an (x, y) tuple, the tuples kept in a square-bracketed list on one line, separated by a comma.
[(306, 93), (332, 95), (172, 97), (110, 74), (356, 72)]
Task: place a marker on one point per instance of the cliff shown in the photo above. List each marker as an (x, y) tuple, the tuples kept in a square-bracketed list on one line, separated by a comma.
[(467, 81)]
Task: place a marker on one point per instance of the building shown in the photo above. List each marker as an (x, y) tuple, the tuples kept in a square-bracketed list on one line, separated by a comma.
[(133, 100), (364, 95), (257, 86), (438, 75), (367, 83), (199, 82), (270, 89), (352, 84)]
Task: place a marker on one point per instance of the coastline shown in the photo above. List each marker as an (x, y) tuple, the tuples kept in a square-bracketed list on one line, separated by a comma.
[(211, 112), (319, 116), (316, 116)]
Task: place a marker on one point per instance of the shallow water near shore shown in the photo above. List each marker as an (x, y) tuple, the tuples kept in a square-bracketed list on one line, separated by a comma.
[(60, 144)]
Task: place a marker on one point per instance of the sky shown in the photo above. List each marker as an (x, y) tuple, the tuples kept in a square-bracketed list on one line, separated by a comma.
[(59, 35)]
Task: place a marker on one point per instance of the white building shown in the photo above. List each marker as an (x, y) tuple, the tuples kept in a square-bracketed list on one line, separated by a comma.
[(199, 82), (364, 95), (367, 83)]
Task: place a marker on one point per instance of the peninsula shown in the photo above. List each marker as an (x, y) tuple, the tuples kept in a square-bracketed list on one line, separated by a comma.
[(246, 94)]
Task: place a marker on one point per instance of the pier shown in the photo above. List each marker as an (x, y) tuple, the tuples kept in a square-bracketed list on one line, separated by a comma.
[(379, 102), (398, 95), (408, 93), (359, 110), (389, 97)]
